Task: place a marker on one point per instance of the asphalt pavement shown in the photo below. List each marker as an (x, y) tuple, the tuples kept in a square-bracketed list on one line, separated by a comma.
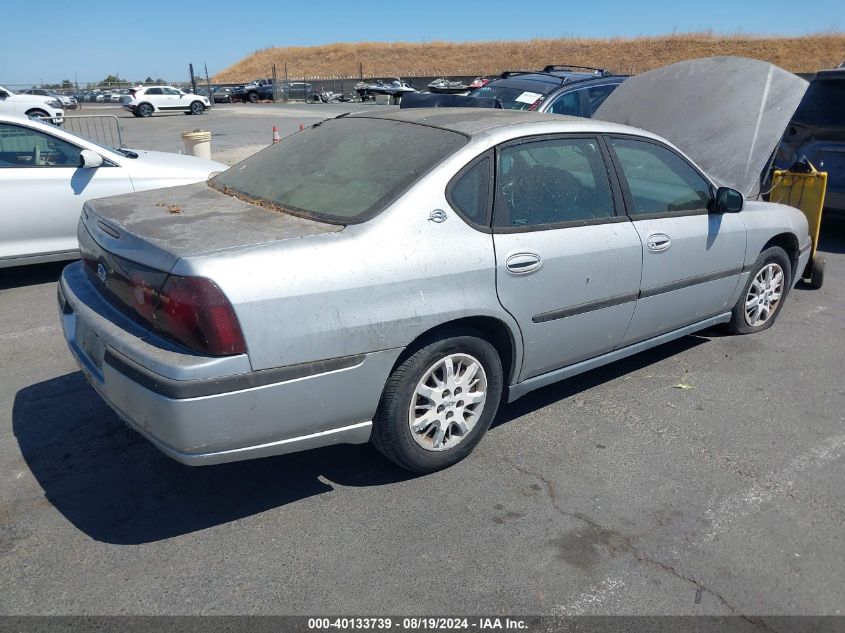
[(701, 477)]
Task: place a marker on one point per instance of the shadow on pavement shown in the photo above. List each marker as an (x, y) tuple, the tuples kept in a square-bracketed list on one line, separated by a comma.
[(117, 488), (31, 275), (582, 382)]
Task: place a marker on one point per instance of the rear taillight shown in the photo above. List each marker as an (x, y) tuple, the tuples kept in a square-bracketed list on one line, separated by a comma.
[(193, 311), (189, 310)]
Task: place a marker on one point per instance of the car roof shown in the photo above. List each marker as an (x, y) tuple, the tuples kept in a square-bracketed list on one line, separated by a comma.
[(475, 121), (827, 75)]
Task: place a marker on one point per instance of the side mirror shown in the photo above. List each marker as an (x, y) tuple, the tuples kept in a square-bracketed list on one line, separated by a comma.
[(89, 159), (727, 201), (3, 94)]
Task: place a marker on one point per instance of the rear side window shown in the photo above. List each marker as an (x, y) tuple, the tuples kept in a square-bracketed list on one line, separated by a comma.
[(659, 180), (823, 104), (550, 182), (470, 193), (597, 95), (343, 170)]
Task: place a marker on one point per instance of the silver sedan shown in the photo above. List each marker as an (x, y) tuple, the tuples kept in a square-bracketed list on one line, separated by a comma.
[(394, 277)]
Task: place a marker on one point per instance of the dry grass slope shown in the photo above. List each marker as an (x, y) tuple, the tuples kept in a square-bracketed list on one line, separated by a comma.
[(627, 55)]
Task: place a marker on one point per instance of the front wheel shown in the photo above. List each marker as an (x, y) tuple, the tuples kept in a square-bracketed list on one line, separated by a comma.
[(439, 402), (197, 107), (764, 293), (253, 97)]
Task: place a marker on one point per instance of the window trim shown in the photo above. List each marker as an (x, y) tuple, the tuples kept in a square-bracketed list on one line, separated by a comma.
[(615, 192), (491, 189), (626, 191)]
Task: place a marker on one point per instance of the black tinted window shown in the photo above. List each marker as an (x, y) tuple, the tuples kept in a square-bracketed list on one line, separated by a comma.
[(154, 91), (569, 103), (823, 104), (659, 180), (597, 95), (470, 194), (342, 170), (552, 181)]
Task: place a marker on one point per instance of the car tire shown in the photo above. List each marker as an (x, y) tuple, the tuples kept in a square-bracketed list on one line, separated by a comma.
[(439, 440), (764, 293), (817, 273), (144, 110), (253, 97), (197, 108)]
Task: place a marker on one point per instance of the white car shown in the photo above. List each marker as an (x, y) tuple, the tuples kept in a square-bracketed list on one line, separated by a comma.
[(46, 174), (13, 103), (146, 100)]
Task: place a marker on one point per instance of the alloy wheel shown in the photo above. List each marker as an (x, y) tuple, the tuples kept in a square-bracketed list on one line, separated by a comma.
[(447, 402), (764, 295)]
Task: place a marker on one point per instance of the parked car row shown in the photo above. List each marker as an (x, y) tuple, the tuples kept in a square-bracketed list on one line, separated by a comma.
[(68, 101)]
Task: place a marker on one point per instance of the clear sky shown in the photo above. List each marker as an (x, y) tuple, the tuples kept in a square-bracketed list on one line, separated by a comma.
[(90, 39)]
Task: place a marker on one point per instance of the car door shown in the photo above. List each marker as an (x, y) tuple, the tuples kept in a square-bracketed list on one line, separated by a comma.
[(174, 100), (42, 189), (692, 259), (568, 260)]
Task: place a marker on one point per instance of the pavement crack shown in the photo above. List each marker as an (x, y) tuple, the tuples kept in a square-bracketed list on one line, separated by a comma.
[(640, 556)]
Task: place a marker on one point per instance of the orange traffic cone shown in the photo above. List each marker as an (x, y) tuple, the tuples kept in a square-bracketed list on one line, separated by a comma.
[(276, 138)]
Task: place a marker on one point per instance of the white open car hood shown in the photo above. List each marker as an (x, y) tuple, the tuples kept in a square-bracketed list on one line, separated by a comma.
[(726, 113)]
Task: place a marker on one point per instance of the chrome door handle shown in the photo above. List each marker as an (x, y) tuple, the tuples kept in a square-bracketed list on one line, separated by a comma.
[(658, 242), (523, 263)]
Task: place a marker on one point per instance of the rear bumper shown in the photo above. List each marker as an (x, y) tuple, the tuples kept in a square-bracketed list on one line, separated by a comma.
[(216, 416)]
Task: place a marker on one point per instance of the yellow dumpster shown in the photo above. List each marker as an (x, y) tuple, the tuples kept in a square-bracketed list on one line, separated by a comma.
[(804, 190)]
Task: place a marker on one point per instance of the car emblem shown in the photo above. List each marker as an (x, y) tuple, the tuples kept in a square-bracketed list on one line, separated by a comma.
[(101, 272)]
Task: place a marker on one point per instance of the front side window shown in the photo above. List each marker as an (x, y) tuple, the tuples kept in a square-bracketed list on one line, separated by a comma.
[(342, 170), (170, 91), (552, 181), (24, 147), (659, 180)]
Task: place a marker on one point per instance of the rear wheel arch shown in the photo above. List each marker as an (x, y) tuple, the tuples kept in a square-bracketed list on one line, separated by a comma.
[(789, 243), (492, 329)]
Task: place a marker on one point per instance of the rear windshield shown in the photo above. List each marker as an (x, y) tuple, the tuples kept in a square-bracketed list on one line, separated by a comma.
[(823, 104), (341, 171), (516, 95)]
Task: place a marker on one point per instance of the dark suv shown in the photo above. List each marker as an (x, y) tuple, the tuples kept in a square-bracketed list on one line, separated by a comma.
[(817, 131), (560, 89), (262, 89)]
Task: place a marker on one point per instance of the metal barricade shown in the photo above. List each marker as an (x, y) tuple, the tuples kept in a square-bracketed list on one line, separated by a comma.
[(99, 128)]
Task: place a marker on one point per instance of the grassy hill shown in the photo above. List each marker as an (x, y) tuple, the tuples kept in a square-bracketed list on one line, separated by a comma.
[(626, 55)]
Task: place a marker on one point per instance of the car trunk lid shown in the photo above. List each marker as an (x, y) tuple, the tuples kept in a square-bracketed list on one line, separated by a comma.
[(157, 228)]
